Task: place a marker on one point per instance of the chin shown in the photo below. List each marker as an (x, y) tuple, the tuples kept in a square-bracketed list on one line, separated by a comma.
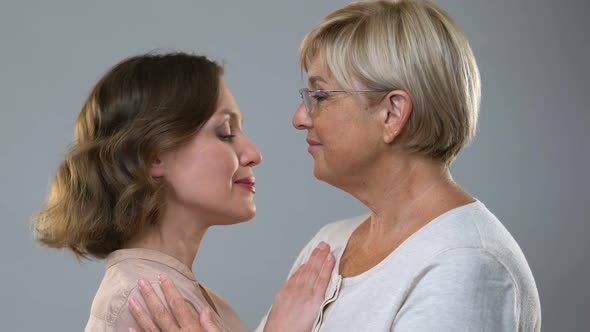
[(241, 216), (317, 172), (321, 173), (249, 215), (329, 177)]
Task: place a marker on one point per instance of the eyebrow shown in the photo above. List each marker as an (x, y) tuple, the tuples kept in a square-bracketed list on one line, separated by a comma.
[(233, 115), (314, 79)]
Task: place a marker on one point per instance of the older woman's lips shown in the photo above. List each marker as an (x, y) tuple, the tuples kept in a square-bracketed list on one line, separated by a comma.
[(313, 145), (248, 183)]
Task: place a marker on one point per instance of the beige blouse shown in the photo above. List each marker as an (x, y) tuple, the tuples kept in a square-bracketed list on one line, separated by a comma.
[(125, 267)]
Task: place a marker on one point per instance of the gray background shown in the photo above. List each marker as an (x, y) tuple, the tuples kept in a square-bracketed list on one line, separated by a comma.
[(528, 164)]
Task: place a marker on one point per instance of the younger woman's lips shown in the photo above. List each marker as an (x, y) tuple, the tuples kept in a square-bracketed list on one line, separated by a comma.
[(247, 183)]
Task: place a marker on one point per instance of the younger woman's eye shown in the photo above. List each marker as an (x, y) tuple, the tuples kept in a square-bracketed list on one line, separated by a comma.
[(226, 137)]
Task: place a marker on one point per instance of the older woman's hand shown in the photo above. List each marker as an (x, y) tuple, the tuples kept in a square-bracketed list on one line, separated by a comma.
[(297, 305), (183, 321)]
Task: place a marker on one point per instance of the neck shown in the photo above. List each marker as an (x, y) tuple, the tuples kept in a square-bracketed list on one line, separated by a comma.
[(178, 234), (404, 194)]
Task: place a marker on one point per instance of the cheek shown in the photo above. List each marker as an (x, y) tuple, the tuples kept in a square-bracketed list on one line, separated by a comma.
[(339, 136), (206, 174), (217, 168), (348, 145)]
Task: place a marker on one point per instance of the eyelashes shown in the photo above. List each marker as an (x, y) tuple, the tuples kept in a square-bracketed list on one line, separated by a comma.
[(319, 98), (226, 138), (227, 132)]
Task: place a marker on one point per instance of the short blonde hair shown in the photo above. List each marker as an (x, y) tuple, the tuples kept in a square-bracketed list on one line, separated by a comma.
[(410, 45)]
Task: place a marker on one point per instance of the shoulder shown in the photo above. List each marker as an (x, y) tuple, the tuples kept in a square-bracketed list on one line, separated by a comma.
[(468, 226), (478, 228), (466, 263), (454, 247), (118, 286)]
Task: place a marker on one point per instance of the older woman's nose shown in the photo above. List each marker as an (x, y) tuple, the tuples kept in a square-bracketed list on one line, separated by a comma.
[(301, 118)]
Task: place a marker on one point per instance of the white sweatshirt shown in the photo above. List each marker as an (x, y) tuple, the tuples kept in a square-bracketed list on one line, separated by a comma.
[(461, 272)]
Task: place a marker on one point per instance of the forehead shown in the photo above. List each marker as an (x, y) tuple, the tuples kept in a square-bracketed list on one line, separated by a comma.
[(228, 107), (317, 73)]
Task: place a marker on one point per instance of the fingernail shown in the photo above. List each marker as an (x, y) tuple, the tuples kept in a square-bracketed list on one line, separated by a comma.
[(331, 257), (142, 284), (162, 277), (323, 245)]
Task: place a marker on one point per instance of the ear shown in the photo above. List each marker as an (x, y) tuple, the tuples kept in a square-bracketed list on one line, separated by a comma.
[(396, 114), (157, 168)]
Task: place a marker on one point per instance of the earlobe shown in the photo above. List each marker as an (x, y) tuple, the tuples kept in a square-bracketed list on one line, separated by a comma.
[(157, 168)]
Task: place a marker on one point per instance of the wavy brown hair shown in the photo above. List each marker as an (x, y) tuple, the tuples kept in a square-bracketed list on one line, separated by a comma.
[(103, 193)]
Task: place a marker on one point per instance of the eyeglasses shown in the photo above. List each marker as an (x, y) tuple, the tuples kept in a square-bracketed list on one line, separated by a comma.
[(310, 98)]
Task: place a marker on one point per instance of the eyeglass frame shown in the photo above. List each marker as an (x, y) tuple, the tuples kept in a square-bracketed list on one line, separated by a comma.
[(309, 106)]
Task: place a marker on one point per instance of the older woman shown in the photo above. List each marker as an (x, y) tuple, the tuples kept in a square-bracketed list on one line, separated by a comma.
[(393, 98)]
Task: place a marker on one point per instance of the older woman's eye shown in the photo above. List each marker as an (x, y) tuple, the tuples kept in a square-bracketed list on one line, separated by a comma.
[(319, 96)]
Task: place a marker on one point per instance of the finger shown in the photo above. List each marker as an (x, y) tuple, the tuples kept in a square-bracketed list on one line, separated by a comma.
[(176, 302), (323, 279), (142, 318), (294, 278), (303, 270), (207, 322), (156, 307), (315, 263)]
